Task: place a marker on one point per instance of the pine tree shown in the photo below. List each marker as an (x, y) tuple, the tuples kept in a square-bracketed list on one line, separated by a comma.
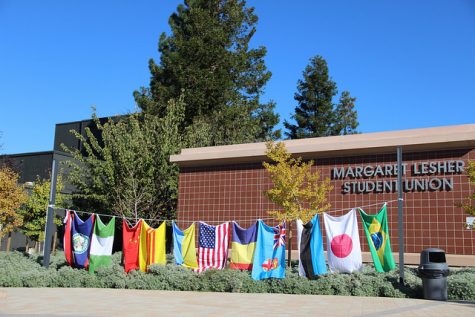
[(207, 56), (346, 116), (316, 115)]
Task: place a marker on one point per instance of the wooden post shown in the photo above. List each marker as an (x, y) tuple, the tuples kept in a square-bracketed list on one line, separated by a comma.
[(289, 256), (55, 237), (9, 241)]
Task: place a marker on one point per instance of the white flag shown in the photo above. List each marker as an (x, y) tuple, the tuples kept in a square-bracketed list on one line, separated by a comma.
[(343, 243)]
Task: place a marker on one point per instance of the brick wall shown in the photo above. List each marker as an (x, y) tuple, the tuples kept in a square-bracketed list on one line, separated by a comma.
[(431, 218)]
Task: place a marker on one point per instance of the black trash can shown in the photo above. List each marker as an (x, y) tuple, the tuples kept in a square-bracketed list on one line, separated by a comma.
[(433, 271)]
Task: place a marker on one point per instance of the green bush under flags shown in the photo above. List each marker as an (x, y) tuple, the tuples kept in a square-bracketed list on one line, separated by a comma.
[(19, 270)]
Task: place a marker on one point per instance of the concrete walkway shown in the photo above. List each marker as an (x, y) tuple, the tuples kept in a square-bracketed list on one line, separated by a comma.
[(117, 302)]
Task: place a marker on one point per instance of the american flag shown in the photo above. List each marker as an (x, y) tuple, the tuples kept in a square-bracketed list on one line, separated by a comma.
[(213, 246), (279, 235)]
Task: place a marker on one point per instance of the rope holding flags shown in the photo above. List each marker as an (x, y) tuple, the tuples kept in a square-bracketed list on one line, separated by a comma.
[(259, 248)]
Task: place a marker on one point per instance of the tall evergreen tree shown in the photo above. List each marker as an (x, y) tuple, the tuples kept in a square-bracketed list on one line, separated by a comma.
[(316, 115), (207, 58), (346, 115)]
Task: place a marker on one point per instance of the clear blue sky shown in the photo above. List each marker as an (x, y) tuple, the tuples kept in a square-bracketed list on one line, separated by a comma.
[(411, 64)]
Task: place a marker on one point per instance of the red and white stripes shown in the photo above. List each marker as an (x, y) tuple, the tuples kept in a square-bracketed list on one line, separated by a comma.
[(216, 257)]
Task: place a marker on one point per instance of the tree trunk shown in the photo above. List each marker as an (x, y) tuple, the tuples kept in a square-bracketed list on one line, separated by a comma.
[(289, 256), (9, 241), (55, 237), (37, 246)]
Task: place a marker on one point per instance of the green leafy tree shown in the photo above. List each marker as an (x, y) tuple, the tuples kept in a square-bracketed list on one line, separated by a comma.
[(128, 172), (297, 189), (34, 210), (12, 196), (468, 206), (208, 56), (316, 115)]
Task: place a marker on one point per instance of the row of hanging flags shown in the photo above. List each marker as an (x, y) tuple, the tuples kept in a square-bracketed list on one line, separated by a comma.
[(259, 248)]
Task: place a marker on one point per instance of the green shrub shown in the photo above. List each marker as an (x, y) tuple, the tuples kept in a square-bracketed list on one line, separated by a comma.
[(461, 285), (19, 270)]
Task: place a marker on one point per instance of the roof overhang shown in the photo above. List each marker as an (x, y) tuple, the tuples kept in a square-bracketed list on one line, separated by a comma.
[(415, 140)]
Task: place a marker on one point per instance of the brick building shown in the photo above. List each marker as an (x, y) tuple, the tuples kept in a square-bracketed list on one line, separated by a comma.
[(227, 183)]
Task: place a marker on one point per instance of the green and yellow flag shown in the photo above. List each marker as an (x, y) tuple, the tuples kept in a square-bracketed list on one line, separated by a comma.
[(377, 234)]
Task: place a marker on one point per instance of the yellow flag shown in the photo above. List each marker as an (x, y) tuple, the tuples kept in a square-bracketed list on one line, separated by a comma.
[(188, 248), (152, 246)]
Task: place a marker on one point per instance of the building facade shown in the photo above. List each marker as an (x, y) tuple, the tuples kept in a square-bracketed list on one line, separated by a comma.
[(34, 165), (227, 183)]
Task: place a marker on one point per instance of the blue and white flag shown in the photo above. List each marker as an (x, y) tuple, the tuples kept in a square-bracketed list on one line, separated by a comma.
[(269, 256), (310, 246)]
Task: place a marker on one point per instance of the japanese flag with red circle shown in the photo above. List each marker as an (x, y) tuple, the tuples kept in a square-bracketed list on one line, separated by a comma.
[(343, 243)]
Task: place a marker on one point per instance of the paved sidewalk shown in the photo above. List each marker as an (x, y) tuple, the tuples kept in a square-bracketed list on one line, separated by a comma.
[(115, 302)]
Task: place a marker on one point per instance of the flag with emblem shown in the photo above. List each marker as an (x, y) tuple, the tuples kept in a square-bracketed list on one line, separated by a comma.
[(213, 246), (269, 256), (184, 249), (101, 244), (343, 243), (377, 234), (81, 232)]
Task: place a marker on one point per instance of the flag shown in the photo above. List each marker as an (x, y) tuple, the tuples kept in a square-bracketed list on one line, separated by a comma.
[(377, 234), (68, 250), (213, 246), (343, 243), (269, 256), (101, 244), (152, 246), (81, 240), (279, 236), (130, 245), (243, 246), (310, 247), (184, 249)]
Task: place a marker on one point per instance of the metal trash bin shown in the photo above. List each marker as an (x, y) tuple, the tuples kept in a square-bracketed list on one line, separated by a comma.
[(433, 271)]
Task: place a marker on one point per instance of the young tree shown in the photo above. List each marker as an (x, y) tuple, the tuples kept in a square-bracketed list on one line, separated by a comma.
[(128, 173), (296, 188), (316, 115), (34, 210), (208, 55), (468, 206), (12, 196)]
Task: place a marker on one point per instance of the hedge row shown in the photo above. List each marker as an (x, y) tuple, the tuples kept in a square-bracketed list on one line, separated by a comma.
[(18, 270)]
